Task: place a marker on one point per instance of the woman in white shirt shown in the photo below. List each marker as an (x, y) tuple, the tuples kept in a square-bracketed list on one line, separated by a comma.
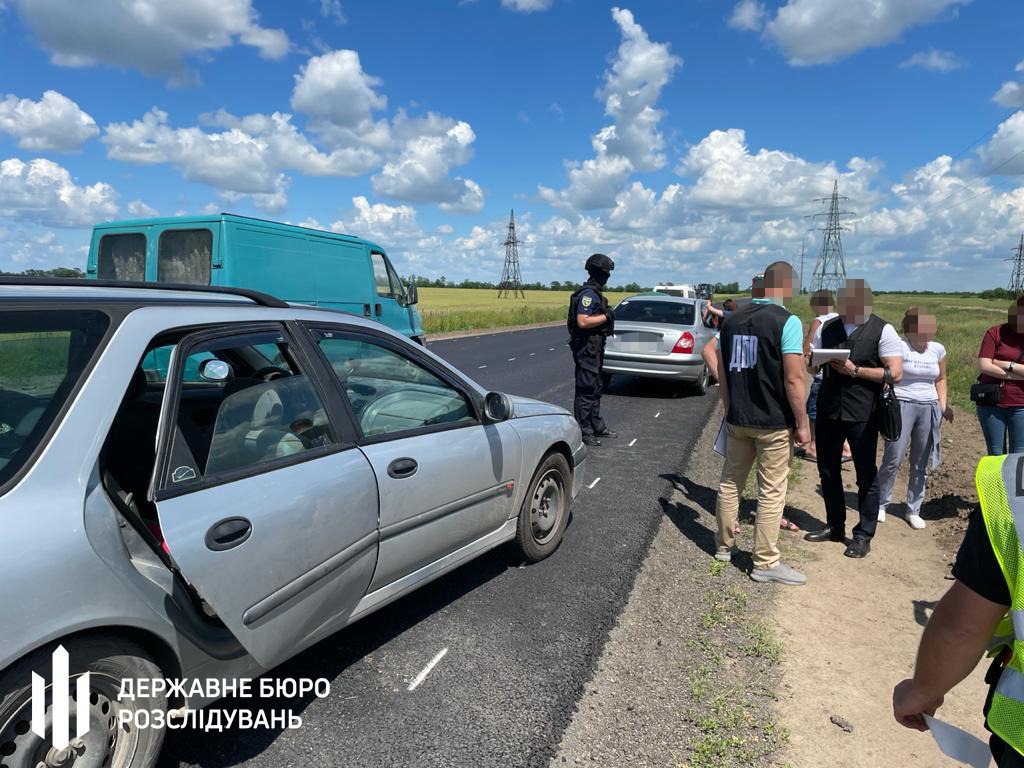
[(922, 396)]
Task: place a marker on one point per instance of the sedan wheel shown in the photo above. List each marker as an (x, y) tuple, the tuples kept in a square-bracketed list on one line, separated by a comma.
[(700, 387), (108, 742), (545, 510)]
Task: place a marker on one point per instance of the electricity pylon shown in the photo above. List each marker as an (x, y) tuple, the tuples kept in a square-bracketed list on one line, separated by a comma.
[(511, 282), (830, 269), (1017, 277)]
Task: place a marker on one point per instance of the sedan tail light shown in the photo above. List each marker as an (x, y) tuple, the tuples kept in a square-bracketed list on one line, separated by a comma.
[(685, 344)]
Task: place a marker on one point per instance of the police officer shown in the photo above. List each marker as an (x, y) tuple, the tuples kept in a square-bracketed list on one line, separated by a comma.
[(590, 322), (980, 612)]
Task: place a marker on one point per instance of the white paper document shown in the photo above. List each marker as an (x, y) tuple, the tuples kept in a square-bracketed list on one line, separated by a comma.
[(822, 356), (959, 744), (720, 440)]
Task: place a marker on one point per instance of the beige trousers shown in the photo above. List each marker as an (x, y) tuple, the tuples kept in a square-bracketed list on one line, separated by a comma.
[(772, 449)]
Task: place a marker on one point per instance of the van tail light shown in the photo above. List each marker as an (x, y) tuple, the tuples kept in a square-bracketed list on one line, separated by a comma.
[(685, 344)]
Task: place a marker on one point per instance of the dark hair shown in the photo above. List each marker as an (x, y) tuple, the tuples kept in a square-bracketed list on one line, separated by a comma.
[(778, 271), (909, 317), (823, 297), (729, 304)]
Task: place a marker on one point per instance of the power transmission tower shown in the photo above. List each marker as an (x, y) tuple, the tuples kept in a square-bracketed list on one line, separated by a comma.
[(511, 282), (830, 269), (1017, 278)]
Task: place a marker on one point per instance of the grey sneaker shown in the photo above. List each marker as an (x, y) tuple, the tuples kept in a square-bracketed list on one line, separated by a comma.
[(725, 555), (782, 574)]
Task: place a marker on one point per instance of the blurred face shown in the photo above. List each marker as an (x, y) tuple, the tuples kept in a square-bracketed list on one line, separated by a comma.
[(922, 329), (1015, 318), (821, 305), (855, 300)]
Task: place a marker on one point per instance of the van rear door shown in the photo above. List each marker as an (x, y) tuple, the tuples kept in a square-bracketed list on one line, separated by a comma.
[(118, 254)]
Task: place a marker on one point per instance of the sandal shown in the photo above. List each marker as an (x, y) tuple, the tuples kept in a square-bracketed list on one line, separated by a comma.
[(788, 525)]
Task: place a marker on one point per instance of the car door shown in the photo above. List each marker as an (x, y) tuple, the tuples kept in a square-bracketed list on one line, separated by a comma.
[(444, 478), (389, 307), (268, 510)]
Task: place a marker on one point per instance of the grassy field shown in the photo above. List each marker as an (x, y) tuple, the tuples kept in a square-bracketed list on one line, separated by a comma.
[(460, 309), (962, 321)]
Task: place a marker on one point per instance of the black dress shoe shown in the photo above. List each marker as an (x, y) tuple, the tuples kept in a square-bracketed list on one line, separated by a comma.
[(591, 440), (825, 534), (606, 433), (859, 547)]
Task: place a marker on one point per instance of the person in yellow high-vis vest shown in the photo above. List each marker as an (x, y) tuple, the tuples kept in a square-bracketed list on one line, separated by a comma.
[(982, 612)]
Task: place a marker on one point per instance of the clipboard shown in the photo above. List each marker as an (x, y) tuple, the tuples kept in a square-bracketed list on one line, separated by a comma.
[(820, 357)]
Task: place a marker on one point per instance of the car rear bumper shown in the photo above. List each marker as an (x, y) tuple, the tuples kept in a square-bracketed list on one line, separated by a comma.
[(678, 367)]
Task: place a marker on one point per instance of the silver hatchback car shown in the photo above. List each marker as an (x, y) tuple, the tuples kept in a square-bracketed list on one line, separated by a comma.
[(660, 336), (198, 484)]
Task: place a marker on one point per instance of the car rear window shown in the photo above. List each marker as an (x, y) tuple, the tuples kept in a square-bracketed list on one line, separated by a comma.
[(669, 312), (122, 257), (184, 256), (42, 358)]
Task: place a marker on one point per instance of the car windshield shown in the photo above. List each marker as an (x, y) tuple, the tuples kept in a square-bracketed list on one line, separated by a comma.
[(42, 357), (668, 312)]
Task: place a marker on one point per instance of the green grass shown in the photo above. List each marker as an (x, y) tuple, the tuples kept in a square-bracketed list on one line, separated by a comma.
[(460, 309)]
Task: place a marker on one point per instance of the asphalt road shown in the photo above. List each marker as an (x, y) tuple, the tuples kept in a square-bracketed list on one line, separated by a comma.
[(521, 641)]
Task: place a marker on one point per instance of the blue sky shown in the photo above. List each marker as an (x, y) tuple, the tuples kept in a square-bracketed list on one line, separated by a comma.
[(686, 138)]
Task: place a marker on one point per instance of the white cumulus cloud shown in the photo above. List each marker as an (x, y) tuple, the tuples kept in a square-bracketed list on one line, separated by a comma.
[(44, 192), (54, 122), (748, 16), (526, 6), (824, 31), (934, 61), (157, 38)]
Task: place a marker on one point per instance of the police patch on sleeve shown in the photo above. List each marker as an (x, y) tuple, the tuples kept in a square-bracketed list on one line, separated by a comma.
[(586, 301)]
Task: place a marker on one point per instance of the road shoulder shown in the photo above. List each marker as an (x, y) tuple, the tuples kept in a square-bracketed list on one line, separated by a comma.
[(688, 674)]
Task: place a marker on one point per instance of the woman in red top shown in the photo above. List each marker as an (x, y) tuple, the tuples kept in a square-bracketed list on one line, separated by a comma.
[(1001, 360)]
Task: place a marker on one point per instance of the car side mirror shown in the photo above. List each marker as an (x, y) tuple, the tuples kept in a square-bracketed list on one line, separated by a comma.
[(497, 407), (412, 296), (214, 370)]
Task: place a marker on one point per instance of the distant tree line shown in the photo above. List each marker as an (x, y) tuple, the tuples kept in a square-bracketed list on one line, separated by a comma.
[(554, 285), (56, 272)]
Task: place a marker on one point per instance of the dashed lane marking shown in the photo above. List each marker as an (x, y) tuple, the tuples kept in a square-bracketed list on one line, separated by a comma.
[(480, 367), (426, 670), (631, 443), (596, 481), (657, 414), (532, 354), (511, 359), (551, 349)]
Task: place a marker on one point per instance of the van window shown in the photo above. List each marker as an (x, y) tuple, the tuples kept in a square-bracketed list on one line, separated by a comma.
[(381, 276), (122, 257), (185, 256)]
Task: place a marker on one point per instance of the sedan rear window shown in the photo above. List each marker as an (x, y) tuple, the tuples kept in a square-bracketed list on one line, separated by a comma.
[(42, 358), (667, 312)]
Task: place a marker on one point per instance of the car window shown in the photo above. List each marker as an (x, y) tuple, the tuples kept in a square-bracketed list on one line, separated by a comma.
[(397, 287), (185, 256), (668, 312), (122, 257), (42, 357), (389, 392), (157, 361), (257, 413), (381, 276)]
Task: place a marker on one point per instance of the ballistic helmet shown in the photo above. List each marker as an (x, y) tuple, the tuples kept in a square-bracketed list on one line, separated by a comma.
[(600, 261)]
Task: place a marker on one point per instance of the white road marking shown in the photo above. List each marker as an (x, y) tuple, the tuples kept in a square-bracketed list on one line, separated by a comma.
[(551, 349), (532, 354), (511, 359), (596, 481), (631, 443), (480, 367), (426, 670), (657, 414)]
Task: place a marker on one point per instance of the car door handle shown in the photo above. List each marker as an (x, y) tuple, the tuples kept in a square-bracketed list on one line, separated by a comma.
[(402, 468), (228, 533), (366, 310), (377, 310)]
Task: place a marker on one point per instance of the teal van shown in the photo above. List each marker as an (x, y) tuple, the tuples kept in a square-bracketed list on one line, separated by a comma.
[(297, 264)]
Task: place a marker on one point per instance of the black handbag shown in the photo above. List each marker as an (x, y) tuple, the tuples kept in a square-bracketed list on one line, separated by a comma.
[(890, 418), (986, 394)]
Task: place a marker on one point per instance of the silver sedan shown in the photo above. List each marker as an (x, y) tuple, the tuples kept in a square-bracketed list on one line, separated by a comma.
[(661, 337)]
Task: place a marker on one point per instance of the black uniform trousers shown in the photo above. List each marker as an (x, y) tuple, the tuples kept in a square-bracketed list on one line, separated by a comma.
[(586, 406), (829, 435)]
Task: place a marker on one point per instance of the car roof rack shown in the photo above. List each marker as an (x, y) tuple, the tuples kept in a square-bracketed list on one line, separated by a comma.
[(258, 297)]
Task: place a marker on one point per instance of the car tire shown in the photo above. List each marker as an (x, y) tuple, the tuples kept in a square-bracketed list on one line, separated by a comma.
[(700, 387), (109, 661), (545, 510)]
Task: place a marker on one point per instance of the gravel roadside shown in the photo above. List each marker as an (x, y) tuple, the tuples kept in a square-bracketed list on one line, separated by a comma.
[(688, 674)]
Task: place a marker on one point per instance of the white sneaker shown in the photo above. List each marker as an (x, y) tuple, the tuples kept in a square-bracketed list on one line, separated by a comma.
[(724, 555), (915, 522), (881, 514), (781, 574)]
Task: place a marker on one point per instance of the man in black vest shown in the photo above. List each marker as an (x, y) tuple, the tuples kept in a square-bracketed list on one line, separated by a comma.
[(846, 411), (761, 375), (590, 322)]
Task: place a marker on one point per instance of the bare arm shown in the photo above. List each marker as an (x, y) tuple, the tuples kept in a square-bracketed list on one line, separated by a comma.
[(591, 321), (871, 374), (815, 324), (713, 310), (796, 393), (1000, 369), (723, 383), (942, 387), (957, 635)]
